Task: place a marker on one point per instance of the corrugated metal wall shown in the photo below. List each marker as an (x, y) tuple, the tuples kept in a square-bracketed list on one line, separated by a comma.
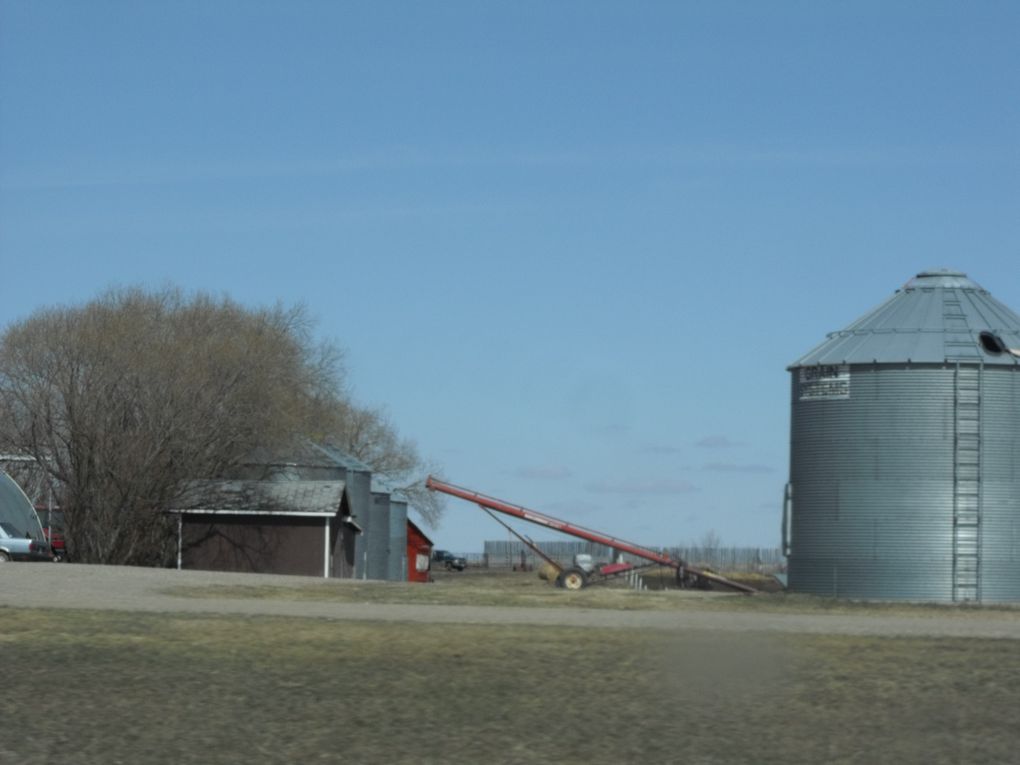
[(907, 488), (378, 540), (397, 563), (1000, 485), (359, 491)]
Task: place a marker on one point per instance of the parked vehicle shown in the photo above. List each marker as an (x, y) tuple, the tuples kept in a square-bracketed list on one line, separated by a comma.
[(16, 545), (449, 560), (53, 530)]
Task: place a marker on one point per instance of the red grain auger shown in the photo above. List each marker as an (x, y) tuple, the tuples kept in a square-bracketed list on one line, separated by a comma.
[(574, 578)]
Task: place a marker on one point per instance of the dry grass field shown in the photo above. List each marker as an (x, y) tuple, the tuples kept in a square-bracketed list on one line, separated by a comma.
[(103, 687), (480, 587)]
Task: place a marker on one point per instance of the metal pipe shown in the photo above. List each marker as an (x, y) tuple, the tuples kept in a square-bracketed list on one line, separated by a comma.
[(524, 540), (787, 519), (548, 521)]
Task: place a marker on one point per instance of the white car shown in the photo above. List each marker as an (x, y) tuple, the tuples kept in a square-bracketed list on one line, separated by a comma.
[(15, 545)]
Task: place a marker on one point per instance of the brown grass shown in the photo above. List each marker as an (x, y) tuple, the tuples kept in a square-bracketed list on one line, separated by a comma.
[(101, 688), (526, 589)]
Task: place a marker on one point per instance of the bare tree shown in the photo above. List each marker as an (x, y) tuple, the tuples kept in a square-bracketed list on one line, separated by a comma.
[(711, 540), (126, 398), (708, 550), (369, 435)]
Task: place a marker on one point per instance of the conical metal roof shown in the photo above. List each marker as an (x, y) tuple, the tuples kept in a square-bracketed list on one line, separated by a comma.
[(937, 316)]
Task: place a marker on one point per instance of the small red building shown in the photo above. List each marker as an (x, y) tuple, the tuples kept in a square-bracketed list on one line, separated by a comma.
[(419, 554)]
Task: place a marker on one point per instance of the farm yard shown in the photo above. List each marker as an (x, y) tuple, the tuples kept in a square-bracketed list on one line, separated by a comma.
[(108, 665)]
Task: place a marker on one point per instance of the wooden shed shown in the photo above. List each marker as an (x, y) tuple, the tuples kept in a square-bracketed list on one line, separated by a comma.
[(419, 554), (268, 527)]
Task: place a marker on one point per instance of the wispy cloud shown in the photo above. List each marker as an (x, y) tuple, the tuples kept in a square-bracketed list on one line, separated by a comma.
[(650, 486), (717, 442), (543, 472), (395, 158), (660, 449), (730, 467), (150, 172)]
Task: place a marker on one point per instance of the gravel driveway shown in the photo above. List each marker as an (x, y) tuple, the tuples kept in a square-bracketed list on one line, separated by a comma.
[(141, 589)]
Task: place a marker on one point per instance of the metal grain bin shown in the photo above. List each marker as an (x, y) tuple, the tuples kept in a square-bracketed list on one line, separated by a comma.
[(388, 552), (905, 456), (378, 544), (358, 477), (398, 538)]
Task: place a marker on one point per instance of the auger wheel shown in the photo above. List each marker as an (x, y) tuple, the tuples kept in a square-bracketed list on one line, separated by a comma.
[(572, 579)]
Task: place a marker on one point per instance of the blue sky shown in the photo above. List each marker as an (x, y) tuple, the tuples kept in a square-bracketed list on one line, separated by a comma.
[(570, 247)]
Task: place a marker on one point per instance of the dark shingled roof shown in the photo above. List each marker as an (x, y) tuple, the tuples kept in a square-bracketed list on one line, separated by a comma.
[(279, 497)]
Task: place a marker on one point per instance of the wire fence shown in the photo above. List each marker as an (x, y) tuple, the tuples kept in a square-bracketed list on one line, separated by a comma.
[(517, 556)]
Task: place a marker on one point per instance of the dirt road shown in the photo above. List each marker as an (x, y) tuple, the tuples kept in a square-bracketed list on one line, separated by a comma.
[(142, 589)]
